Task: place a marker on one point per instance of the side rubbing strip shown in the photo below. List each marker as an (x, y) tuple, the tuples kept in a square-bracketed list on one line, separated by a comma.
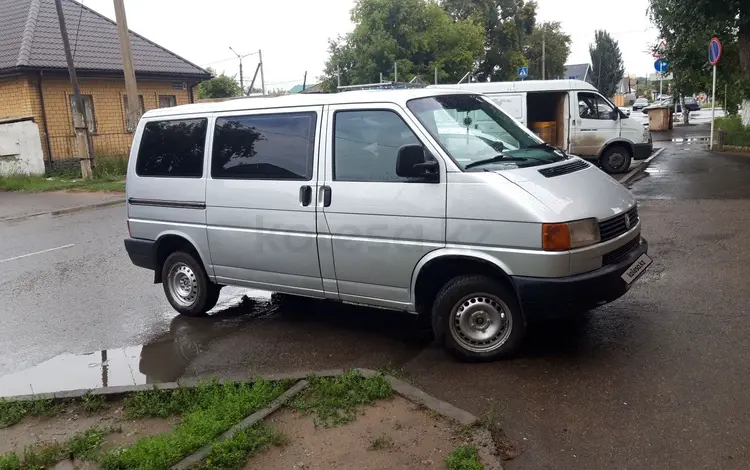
[(173, 204)]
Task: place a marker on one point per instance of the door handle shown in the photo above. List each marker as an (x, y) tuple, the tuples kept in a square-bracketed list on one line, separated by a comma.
[(305, 195), (326, 196)]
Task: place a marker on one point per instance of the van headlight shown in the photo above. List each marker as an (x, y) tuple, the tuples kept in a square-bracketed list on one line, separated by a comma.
[(566, 236)]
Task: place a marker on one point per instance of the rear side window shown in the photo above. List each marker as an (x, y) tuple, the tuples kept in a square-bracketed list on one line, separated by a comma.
[(172, 149), (275, 147)]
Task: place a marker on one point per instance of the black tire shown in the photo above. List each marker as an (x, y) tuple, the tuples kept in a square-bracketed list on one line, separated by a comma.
[(616, 159), (199, 294), (464, 292)]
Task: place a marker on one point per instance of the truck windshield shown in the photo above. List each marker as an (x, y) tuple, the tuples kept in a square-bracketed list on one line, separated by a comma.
[(479, 136)]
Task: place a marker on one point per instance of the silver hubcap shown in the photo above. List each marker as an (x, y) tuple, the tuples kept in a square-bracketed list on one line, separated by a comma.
[(616, 160), (481, 322), (183, 284)]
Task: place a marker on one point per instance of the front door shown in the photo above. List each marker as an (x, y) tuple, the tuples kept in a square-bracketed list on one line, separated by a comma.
[(594, 123), (260, 199), (380, 224)]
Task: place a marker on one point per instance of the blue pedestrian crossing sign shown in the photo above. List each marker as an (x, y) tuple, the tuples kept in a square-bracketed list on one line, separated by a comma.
[(523, 72)]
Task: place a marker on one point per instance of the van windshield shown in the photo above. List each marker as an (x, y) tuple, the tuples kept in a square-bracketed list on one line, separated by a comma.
[(479, 136)]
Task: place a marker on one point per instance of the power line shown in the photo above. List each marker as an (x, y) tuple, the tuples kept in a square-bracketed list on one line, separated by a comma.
[(78, 30)]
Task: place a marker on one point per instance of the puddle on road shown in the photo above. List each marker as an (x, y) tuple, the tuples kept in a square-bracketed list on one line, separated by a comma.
[(286, 333), (161, 360)]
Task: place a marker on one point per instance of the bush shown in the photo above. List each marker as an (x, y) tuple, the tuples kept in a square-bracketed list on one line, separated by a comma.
[(735, 134)]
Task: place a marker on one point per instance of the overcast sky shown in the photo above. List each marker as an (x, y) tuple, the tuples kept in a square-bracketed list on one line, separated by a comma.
[(293, 34)]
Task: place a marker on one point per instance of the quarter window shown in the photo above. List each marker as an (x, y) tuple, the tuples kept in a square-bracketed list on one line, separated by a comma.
[(273, 147), (172, 149), (367, 143)]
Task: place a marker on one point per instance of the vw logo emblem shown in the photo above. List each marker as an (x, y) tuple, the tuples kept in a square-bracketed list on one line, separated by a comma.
[(627, 222)]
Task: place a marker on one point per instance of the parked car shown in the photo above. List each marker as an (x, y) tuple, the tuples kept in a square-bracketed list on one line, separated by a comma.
[(585, 123), (691, 104), (640, 103), (625, 110), (369, 198)]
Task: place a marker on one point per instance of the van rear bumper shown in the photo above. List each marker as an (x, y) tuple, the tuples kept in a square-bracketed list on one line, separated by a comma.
[(555, 297), (141, 252), (642, 151)]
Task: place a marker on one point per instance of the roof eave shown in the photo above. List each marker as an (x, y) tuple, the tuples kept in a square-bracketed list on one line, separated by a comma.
[(84, 73)]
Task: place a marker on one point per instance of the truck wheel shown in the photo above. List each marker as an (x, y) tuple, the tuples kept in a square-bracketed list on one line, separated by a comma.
[(187, 286), (478, 319), (615, 159)]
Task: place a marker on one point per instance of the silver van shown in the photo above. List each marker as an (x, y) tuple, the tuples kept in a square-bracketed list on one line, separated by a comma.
[(389, 199)]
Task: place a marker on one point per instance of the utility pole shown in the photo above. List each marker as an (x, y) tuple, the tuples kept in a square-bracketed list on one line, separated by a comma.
[(79, 115), (544, 55), (242, 79), (131, 88), (338, 77), (304, 82), (436, 76), (395, 72), (262, 79)]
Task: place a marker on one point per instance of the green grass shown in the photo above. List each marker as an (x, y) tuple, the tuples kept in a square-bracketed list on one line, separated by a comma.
[(210, 411), (83, 446), (109, 175), (93, 403), (463, 458), (735, 133), (333, 401), (13, 412), (233, 453)]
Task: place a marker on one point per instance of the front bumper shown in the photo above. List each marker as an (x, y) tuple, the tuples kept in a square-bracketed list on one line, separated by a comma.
[(642, 151), (554, 297)]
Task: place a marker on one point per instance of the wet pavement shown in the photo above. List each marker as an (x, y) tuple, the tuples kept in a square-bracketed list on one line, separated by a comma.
[(658, 379)]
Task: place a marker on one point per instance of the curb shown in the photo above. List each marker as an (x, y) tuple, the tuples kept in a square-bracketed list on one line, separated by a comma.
[(67, 210), (481, 437), (640, 168)]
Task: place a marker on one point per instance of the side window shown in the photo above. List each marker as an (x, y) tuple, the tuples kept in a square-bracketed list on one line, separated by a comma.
[(172, 149), (593, 106), (366, 145), (272, 147)]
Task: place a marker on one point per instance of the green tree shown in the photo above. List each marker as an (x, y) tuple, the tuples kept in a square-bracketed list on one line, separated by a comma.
[(417, 34), (556, 50), (222, 86), (607, 68), (507, 26), (686, 26)]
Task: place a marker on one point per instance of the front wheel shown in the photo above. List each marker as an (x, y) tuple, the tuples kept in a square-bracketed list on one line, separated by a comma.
[(479, 319), (615, 160), (187, 286)]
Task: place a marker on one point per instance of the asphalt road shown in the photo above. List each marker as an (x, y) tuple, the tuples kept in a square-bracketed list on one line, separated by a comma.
[(658, 379)]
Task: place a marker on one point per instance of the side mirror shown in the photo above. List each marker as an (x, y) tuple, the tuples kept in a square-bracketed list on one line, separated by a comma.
[(411, 163), (614, 115)]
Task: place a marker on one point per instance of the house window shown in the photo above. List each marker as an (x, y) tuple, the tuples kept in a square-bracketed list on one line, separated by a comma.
[(88, 107), (130, 126), (167, 101)]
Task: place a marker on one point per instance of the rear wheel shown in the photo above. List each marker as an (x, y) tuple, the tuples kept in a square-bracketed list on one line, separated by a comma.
[(615, 159), (479, 319), (187, 286)]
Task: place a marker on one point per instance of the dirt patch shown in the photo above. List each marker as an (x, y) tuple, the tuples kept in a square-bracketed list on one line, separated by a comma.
[(392, 434), (61, 428)]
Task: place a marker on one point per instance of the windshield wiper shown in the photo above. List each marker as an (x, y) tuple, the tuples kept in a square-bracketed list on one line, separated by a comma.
[(497, 158), (545, 145)]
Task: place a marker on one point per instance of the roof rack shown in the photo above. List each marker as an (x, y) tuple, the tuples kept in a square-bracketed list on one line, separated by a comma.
[(381, 86)]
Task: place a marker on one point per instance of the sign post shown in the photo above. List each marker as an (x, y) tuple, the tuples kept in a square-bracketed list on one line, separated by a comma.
[(714, 54), (661, 66)]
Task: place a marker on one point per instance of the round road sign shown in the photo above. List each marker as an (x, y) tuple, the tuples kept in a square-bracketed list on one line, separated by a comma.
[(714, 51)]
